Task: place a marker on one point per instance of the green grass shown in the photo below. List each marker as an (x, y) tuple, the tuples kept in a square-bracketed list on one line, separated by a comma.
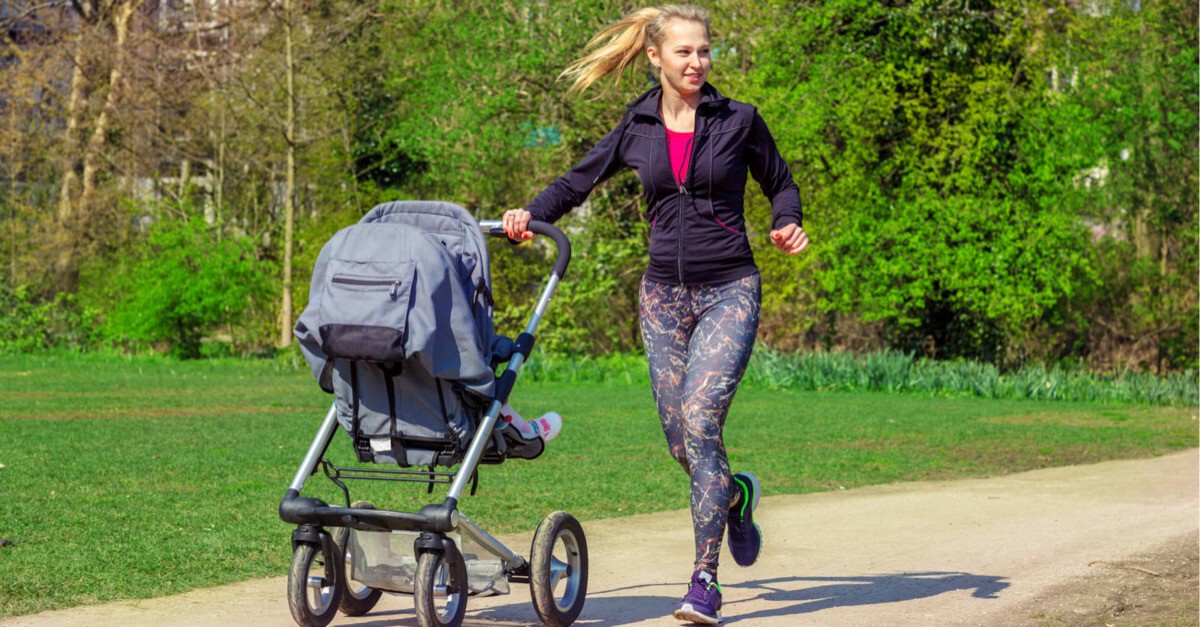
[(889, 371), (129, 478)]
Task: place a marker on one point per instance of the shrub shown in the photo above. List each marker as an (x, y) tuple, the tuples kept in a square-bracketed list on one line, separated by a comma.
[(29, 323), (183, 283)]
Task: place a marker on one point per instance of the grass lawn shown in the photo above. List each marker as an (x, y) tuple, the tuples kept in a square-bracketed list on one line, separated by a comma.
[(137, 478)]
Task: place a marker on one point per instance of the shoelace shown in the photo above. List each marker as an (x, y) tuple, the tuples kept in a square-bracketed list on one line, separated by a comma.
[(699, 587)]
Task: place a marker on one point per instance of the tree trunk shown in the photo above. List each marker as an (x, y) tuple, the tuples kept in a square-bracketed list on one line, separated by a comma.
[(74, 218), (289, 209), (65, 239), (121, 16)]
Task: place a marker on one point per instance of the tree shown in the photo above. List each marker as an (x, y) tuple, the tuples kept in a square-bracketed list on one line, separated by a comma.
[(906, 125), (28, 136), (1133, 69), (109, 22)]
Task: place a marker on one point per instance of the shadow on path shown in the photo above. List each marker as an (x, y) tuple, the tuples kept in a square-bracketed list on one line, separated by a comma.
[(860, 590), (597, 610), (788, 596)]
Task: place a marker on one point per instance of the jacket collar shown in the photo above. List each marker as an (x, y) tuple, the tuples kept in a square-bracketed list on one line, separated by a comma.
[(647, 103)]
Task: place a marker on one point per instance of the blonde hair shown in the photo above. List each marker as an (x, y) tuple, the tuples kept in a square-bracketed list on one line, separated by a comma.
[(619, 45)]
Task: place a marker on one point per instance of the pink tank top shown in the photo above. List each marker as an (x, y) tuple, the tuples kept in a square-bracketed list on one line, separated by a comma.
[(679, 145)]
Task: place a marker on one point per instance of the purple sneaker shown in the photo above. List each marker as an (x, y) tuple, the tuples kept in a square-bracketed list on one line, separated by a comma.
[(702, 603), (745, 538)]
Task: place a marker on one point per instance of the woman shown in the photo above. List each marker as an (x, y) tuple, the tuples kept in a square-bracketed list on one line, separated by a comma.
[(700, 296)]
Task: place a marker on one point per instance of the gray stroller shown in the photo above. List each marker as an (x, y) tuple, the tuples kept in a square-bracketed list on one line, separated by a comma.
[(399, 328)]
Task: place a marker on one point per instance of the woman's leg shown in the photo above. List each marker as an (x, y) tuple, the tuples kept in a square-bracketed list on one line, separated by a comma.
[(666, 320), (721, 342), (698, 342)]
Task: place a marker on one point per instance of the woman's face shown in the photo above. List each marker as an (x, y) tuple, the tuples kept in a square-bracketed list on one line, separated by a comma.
[(683, 57)]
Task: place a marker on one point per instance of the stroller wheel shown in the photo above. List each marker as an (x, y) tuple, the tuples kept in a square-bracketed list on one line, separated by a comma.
[(440, 590), (558, 567), (314, 586), (357, 599)]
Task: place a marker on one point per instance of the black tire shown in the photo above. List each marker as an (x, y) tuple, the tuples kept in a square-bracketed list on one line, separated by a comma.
[(357, 599), (440, 590), (558, 564), (314, 586)]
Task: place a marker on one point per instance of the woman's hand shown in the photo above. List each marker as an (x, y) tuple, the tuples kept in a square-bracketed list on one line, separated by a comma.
[(791, 239), (515, 223)]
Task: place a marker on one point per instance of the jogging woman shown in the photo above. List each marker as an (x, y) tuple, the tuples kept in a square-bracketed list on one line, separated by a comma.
[(700, 296)]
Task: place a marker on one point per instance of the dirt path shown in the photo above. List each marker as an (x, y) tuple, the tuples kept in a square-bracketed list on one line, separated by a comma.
[(1073, 545)]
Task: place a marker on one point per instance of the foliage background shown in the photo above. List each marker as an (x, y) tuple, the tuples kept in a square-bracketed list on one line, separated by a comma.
[(1008, 181)]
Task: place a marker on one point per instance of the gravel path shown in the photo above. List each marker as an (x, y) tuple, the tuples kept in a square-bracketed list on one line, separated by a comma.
[(1056, 546)]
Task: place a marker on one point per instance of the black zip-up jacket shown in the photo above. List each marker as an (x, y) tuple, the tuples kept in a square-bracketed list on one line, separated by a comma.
[(698, 229)]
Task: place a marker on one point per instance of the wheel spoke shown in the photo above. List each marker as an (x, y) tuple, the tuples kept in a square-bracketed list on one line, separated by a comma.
[(320, 593), (558, 570)]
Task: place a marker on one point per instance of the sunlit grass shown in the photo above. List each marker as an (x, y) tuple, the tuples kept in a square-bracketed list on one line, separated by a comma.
[(128, 478), (903, 373)]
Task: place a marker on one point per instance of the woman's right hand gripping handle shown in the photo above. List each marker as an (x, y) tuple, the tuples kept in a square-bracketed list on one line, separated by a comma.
[(516, 223), (519, 226)]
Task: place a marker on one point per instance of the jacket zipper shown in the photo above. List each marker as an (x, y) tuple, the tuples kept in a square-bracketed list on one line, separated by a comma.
[(679, 240), (683, 192)]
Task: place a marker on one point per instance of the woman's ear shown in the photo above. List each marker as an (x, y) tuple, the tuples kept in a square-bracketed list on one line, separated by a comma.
[(653, 55)]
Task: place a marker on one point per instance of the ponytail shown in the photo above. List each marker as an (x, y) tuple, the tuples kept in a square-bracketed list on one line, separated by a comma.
[(619, 45)]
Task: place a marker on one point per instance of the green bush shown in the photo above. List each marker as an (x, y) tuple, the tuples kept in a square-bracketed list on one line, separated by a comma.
[(892, 371), (183, 283), (29, 323), (896, 372)]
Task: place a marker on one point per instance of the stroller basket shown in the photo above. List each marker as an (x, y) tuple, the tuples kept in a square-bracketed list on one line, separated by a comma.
[(385, 561)]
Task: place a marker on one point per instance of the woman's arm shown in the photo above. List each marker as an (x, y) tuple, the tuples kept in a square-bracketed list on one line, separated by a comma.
[(571, 189), (771, 171)]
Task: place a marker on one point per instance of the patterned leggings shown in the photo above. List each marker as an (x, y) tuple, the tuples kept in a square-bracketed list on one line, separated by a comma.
[(698, 341)]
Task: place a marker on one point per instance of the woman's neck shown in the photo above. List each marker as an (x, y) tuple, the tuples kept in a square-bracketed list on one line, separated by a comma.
[(679, 108)]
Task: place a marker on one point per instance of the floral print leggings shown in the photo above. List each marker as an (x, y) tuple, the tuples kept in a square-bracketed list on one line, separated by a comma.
[(698, 340)]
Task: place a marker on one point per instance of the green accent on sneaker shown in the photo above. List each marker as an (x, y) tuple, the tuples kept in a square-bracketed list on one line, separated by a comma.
[(745, 495)]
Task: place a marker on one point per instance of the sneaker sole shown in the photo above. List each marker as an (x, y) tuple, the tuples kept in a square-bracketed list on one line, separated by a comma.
[(686, 613), (753, 484)]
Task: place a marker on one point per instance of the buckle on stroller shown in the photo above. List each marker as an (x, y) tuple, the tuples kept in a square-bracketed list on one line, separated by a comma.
[(362, 448)]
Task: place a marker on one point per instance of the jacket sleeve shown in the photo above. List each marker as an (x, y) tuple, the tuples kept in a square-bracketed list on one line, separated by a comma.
[(771, 171), (571, 189)]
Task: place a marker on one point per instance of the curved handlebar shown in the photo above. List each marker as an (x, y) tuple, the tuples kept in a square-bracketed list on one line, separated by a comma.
[(496, 229)]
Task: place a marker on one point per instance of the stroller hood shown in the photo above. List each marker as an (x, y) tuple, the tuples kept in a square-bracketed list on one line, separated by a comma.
[(414, 273)]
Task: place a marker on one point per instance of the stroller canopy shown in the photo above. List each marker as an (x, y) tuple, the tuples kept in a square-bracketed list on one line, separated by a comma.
[(438, 308)]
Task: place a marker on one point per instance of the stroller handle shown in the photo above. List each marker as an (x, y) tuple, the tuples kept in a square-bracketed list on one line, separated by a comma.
[(495, 228)]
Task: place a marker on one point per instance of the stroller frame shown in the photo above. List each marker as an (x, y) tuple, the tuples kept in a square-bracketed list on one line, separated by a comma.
[(319, 584)]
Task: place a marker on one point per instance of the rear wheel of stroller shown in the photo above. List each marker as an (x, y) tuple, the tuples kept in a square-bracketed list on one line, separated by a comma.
[(558, 567), (314, 586), (440, 590), (357, 599)]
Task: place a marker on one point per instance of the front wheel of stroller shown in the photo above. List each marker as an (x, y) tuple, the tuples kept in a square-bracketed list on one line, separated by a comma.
[(558, 567), (440, 590), (314, 586), (357, 598)]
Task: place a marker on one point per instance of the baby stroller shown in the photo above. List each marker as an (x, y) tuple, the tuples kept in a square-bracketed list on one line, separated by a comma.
[(399, 328)]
